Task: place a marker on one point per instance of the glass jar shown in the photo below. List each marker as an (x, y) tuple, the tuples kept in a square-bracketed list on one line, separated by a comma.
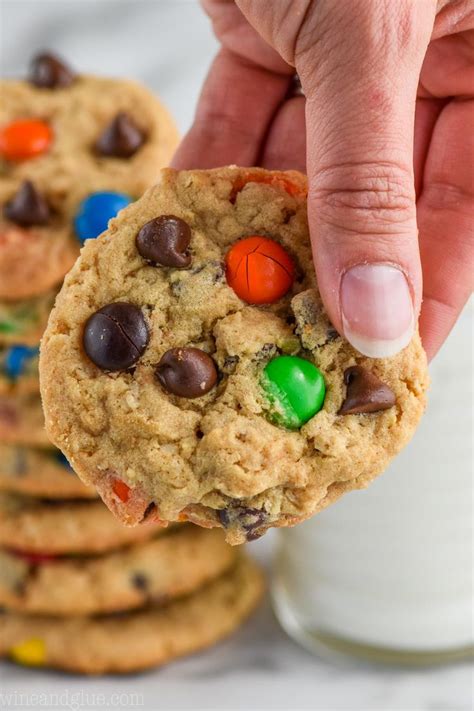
[(387, 573)]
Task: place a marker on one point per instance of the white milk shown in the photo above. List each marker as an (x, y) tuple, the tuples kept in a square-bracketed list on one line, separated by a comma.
[(391, 567)]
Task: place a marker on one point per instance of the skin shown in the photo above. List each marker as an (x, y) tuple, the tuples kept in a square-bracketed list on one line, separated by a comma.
[(384, 133)]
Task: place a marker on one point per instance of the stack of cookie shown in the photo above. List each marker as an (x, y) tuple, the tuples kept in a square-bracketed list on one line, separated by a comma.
[(74, 150), (83, 593), (79, 590)]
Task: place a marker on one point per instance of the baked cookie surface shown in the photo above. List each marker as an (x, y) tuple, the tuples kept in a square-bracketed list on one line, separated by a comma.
[(55, 527), (42, 473), (136, 640), (59, 144), (154, 571), (189, 363)]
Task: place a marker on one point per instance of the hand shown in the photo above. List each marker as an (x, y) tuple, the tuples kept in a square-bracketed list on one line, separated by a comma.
[(388, 145)]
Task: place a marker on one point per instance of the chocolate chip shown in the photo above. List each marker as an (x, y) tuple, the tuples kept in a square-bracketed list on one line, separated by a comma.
[(186, 372), (140, 582), (230, 364), (121, 138), (266, 352), (331, 334), (116, 336), (246, 518), (150, 513), (164, 241), (27, 207), (365, 392), (213, 267), (47, 71)]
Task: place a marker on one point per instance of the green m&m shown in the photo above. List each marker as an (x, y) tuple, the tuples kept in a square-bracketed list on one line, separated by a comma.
[(295, 390)]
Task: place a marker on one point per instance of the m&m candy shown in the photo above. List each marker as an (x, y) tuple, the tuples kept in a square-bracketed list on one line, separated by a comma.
[(33, 558), (24, 139), (121, 490), (16, 360), (62, 460), (31, 652), (295, 390), (259, 270), (95, 211)]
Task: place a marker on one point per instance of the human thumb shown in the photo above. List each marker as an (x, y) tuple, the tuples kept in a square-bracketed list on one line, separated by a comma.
[(359, 62)]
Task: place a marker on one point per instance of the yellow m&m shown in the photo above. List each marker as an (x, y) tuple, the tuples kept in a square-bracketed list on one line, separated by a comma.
[(31, 652)]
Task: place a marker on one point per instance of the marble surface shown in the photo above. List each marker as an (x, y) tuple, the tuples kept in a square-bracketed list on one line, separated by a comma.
[(168, 44)]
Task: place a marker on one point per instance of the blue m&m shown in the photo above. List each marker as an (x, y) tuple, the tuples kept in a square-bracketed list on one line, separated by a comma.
[(62, 460), (95, 211), (17, 359)]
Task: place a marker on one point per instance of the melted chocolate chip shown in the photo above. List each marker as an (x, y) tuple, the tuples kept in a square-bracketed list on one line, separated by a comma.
[(140, 581), (27, 207), (230, 364), (164, 241), (115, 336), (49, 72), (186, 372), (365, 392), (248, 519), (121, 138), (331, 335), (150, 513)]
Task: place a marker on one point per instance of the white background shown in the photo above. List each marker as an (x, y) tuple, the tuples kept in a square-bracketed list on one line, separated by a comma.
[(168, 45)]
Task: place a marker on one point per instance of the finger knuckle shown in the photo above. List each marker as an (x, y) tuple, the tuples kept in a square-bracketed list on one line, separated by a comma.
[(355, 197)]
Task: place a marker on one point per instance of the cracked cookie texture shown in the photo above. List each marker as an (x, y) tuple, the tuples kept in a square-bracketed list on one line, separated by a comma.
[(221, 458)]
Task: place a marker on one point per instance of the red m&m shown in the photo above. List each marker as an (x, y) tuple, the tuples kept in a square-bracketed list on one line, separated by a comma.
[(24, 139), (259, 270)]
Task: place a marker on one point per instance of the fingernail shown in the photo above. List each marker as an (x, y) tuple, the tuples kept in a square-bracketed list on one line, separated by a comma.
[(377, 309)]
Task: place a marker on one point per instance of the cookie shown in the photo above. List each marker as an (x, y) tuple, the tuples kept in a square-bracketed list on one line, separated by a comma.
[(22, 421), (19, 369), (43, 473), (136, 640), (58, 145), (152, 572), (189, 363), (52, 527), (23, 322)]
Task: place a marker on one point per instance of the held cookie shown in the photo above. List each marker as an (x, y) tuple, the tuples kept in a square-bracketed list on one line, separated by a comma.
[(137, 640), (71, 156), (189, 363), (43, 473), (52, 527), (152, 572)]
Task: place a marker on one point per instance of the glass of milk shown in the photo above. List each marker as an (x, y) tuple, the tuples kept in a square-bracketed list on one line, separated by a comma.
[(387, 573)]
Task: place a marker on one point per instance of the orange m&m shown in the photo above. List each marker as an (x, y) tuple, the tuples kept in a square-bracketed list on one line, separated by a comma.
[(121, 490), (277, 179), (259, 270), (24, 139)]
